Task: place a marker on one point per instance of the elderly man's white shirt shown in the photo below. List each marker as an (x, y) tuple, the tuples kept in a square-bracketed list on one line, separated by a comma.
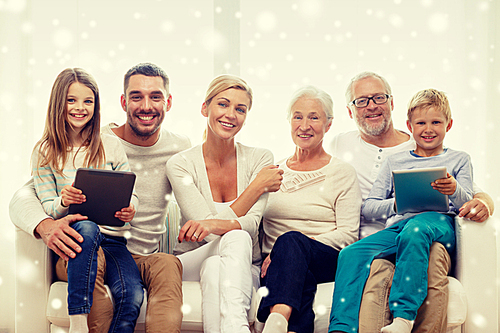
[(366, 159)]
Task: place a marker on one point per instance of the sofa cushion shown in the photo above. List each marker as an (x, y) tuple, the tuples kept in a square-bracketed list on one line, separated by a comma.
[(457, 305), (57, 307)]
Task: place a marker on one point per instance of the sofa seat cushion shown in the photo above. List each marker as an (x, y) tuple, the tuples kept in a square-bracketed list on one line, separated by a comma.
[(457, 305), (57, 307)]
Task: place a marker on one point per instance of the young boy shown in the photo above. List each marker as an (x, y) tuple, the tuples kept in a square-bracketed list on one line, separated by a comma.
[(407, 236)]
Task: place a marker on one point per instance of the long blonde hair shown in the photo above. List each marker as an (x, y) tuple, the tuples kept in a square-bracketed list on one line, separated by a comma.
[(222, 83), (54, 144)]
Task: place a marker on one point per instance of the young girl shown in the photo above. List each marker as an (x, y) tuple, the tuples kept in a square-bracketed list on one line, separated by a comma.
[(71, 139)]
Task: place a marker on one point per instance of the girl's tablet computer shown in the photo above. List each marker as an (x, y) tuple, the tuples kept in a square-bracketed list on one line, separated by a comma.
[(106, 193), (413, 191)]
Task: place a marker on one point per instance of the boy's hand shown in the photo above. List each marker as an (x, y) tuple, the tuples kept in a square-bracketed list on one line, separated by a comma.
[(126, 214), (71, 195), (446, 185)]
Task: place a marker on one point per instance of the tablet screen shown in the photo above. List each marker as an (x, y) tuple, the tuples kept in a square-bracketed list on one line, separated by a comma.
[(106, 193), (413, 191)]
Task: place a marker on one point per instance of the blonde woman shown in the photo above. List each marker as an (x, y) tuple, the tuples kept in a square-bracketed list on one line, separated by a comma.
[(221, 187)]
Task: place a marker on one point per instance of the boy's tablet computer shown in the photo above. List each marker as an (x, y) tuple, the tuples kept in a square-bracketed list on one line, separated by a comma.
[(413, 191), (106, 193)]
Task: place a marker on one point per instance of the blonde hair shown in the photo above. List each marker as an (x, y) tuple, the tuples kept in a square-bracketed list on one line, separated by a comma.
[(312, 92), (430, 98), (54, 144), (222, 83)]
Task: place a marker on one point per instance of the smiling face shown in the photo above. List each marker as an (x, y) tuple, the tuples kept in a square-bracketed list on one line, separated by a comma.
[(146, 101), (309, 123), (226, 113), (429, 126), (374, 119), (79, 106)]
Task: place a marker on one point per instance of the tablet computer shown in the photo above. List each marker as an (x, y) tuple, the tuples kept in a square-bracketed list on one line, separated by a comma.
[(413, 191), (106, 193)]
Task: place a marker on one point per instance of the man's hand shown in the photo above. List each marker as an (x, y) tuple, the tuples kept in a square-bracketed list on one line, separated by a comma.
[(475, 210), (60, 237)]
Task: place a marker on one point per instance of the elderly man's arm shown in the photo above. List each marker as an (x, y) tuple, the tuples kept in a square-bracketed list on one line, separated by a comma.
[(479, 208)]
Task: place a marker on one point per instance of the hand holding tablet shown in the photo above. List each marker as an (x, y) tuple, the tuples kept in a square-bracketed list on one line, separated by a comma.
[(414, 193), (106, 192)]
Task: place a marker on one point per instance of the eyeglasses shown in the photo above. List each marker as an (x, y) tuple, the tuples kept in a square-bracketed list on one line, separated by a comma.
[(364, 101)]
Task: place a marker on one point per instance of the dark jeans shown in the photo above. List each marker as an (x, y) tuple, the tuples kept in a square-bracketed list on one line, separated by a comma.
[(298, 264), (122, 277)]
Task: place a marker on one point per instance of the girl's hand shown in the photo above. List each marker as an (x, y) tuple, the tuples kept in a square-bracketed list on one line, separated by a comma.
[(126, 214), (71, 195), (446, 185), (265, 265), (269, 179), (195, 231)]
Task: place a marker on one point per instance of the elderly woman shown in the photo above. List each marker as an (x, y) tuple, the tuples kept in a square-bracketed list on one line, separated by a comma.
[(320, 201), (221, 187)]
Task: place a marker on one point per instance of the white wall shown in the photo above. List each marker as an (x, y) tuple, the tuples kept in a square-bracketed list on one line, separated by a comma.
[(448, 44)]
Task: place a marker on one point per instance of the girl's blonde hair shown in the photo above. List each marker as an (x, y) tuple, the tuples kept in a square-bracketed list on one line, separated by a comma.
[(222, 83), (54, 144)]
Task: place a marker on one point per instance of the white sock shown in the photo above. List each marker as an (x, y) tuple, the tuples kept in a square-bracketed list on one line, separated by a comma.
[(78, 323), (399, 325), (276, 323)]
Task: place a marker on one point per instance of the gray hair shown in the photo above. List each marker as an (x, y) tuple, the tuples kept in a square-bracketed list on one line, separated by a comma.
[(348, 93), (315, 93)]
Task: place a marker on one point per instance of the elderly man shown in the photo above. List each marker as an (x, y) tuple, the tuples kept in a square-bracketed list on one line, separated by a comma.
[(146, 100), (370, 104)]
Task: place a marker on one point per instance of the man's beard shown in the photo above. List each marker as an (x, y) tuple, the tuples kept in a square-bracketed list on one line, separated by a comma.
[(376, 130), (141, 133)]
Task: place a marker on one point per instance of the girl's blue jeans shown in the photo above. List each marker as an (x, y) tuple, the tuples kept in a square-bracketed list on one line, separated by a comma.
[(410, 241), (122, 277)]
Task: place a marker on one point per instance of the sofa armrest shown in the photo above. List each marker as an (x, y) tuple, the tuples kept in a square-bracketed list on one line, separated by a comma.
[(476, 269), (34, 275)]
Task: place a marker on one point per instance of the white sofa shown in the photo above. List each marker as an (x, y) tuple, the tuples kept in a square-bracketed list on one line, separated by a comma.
[(41, 302)]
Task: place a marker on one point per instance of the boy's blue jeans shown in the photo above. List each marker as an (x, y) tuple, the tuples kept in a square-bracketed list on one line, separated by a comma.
[(122, 276), (410, 241)]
